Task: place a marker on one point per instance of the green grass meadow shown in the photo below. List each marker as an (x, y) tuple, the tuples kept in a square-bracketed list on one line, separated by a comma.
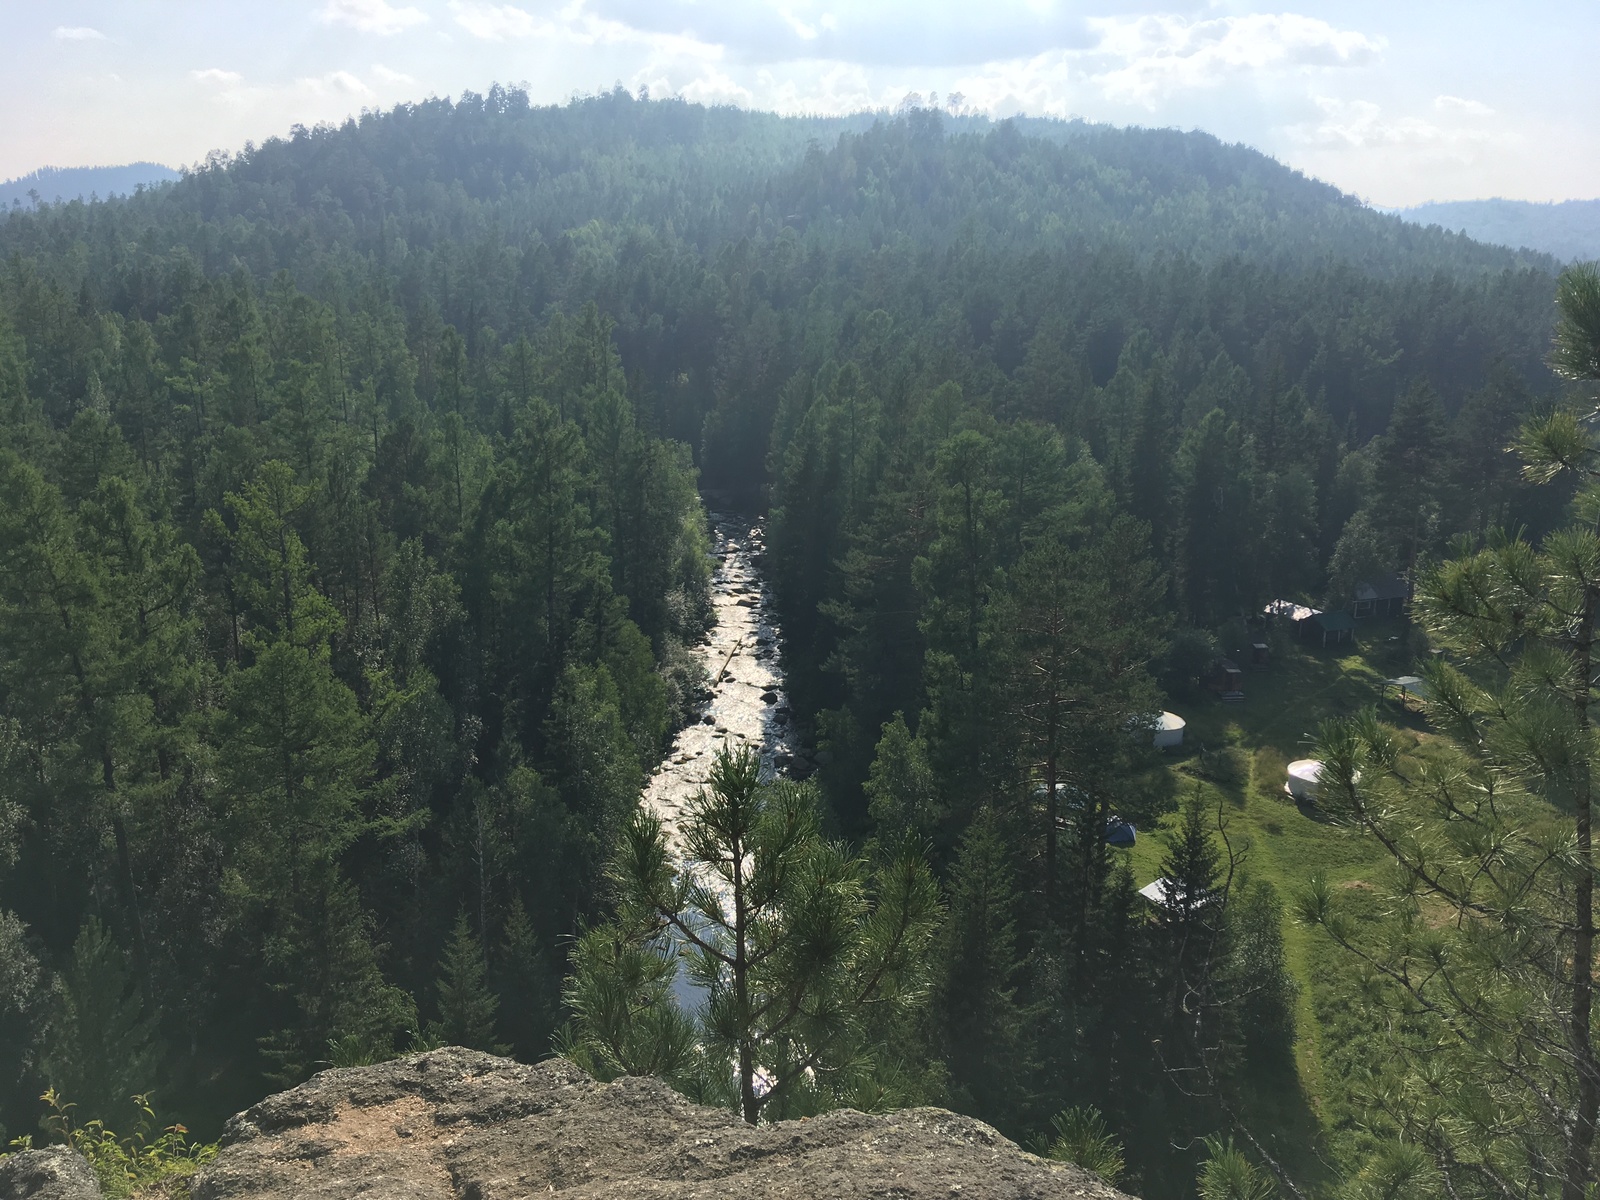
[(1237, 754)]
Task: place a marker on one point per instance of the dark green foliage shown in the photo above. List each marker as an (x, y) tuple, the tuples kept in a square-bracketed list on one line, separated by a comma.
[(807, 957), (1192, 868), (1479, 971), (526, 986), (1082, 1138), (23, 1006), (1256, 977), (1229, 1175), (466, 1006), (982, 1019), (350, 551), (101, 1045)]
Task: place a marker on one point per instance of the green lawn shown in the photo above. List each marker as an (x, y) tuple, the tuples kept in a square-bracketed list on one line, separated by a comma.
[(1282, 841)]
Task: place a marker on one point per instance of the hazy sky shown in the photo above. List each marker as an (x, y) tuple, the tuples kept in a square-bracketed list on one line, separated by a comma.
[(1398, 101)]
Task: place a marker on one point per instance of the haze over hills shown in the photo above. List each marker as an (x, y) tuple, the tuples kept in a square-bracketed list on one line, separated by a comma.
[(1568, 230), (55, 184), (1153, 191)]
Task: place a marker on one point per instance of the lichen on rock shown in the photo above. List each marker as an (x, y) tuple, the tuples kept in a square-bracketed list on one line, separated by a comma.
[(464, 1125)]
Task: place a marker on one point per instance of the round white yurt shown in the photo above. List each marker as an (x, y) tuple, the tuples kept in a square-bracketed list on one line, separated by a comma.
[(1303, 776), (1168, 731)]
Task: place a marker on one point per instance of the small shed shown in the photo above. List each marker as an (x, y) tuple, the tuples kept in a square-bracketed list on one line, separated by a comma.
[(1331, 626), (1168, 731), (1226, 679), (1304, 776), (1381, 596)]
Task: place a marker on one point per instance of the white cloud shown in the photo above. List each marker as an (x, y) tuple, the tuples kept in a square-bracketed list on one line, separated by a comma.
[(715, 88), (496, 22), (1456, 104), (387, 75), (78, 33), (806, 33), (577, 26), (216, 75), (334, 83), (371, 16), (1361, 124), (1161, 55)]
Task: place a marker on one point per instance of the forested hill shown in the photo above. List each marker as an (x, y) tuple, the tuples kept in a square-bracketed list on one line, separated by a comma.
[(693, 228), (350, 543), (443, 169), (1569, 230), (60, 185)]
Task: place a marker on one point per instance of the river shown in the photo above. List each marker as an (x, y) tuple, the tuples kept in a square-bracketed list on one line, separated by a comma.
[(748, 705)]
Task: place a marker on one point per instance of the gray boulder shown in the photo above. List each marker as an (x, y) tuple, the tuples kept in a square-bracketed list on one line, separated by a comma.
[(459, 1124), (55, 1173)]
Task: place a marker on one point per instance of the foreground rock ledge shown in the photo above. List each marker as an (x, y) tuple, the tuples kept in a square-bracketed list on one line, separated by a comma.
[(460, 1124), (55, 1173)]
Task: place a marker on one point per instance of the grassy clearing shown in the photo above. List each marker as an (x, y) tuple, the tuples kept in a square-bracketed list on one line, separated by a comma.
[(1237, 753)]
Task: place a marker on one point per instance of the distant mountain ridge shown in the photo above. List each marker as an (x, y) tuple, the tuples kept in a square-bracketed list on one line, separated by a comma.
[(79, 183), (1569, 230)]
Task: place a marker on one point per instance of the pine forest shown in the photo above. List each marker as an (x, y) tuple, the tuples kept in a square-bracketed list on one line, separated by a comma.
[(370, 504)]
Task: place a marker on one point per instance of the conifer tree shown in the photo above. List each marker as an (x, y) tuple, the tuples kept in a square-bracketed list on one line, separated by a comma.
[(1488, 956), (983, 1021), (1409, 470), (467, 1008), (805, 954), (526, 984), (101, 1049)]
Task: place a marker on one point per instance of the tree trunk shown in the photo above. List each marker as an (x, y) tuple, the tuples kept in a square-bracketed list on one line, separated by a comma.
[(1051, 810), (1577, 1170), (749, 1103), (130, 887)]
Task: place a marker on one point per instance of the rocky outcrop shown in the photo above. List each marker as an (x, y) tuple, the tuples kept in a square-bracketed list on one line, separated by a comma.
[(53, 1174), (462, 1125)]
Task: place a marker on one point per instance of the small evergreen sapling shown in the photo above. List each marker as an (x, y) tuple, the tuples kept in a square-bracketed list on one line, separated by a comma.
[(808, 956), (467, 1008)]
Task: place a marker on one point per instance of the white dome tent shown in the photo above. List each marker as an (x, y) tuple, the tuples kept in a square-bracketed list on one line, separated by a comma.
[(1304, 776), (1168, 730)]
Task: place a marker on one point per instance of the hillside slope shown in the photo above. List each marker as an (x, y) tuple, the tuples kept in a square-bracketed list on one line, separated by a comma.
[(1569, 231), (442, 169), (57, 185)]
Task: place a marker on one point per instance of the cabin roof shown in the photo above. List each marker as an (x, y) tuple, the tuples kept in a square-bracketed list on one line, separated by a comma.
[(1391, 586)]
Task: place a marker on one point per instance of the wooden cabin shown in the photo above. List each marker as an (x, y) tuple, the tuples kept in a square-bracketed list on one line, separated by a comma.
[(1225, 679), (1381, 596)]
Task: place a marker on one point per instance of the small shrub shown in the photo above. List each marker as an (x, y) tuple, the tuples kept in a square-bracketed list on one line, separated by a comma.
[(140, 1164), (1228, 765), (1082, 1138), (1229, 1175)]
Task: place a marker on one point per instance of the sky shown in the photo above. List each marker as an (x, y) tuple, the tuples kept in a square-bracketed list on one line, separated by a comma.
[(1398, 101)]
